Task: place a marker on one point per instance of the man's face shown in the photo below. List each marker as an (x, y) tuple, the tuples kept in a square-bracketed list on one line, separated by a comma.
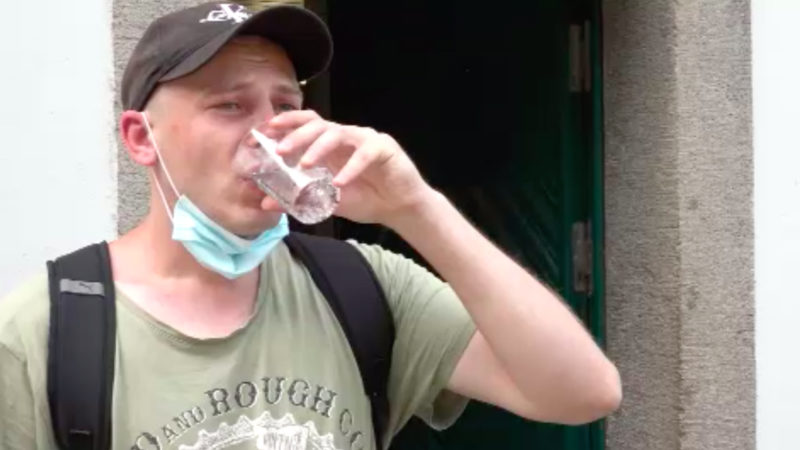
[(198, 121)]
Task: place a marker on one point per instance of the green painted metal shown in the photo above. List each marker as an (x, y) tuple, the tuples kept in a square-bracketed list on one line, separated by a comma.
[(597, 313)]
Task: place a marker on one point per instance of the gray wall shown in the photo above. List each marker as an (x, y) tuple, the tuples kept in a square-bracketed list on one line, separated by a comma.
[(131, 18), (679, 223)]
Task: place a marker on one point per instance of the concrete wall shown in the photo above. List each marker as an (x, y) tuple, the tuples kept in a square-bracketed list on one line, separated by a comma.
[(642, 258), (776, 109), (58, 165), (679, 223)]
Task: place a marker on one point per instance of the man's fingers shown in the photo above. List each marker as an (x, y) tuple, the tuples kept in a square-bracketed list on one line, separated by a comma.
[(364, 156), (328, 142), (292, 119), (296, 142)]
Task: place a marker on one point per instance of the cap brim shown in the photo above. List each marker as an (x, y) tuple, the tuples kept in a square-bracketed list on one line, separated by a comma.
[(302, 34)]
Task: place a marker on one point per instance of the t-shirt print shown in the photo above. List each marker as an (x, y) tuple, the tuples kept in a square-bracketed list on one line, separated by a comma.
[(266, 433), (261, 414)]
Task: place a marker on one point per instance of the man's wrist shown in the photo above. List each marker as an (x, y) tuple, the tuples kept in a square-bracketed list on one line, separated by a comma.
[(416, 216)]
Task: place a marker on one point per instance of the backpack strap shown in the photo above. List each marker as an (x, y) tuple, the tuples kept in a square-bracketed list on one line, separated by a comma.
[(80, 362), (347, 281)]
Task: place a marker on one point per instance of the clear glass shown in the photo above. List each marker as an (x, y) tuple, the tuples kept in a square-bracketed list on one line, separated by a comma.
[(307, 194)]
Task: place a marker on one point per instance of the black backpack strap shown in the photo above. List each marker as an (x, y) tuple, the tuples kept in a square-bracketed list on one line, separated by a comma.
[(347, 281), (80, 364)]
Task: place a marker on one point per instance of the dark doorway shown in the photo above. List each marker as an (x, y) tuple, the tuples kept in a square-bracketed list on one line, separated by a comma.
[(500, 108)]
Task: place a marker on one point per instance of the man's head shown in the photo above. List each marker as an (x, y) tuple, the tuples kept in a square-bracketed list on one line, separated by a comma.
[(204, 76)]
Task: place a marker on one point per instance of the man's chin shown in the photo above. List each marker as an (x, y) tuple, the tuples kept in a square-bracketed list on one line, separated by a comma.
[(256, 227)]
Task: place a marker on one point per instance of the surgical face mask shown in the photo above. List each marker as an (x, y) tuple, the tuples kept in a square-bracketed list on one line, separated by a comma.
[(209, 243)]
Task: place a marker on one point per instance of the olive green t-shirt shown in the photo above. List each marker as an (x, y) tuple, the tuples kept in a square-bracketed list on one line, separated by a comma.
[(287, 380)]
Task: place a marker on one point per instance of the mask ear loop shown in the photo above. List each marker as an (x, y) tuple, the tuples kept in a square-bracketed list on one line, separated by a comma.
[(163, 166)]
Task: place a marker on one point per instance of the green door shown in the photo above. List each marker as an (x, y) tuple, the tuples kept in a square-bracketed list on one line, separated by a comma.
[(499, 106)]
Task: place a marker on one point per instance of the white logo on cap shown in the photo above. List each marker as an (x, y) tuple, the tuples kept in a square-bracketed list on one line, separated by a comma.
[(226, 13)]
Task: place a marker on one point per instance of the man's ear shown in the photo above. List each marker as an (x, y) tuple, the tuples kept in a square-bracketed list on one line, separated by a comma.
[(133, 132)]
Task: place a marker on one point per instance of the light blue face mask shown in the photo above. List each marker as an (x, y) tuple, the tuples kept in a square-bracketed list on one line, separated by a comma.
[(214, 247)]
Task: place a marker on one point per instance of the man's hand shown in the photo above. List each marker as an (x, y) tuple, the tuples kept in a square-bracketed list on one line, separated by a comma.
[(377, 178)]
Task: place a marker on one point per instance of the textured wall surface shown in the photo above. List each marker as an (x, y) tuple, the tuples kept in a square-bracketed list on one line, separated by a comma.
[(642, 222), (716, 224), (680, 223)]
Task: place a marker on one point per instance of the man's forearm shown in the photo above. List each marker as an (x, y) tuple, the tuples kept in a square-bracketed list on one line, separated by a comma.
[(539, 342)]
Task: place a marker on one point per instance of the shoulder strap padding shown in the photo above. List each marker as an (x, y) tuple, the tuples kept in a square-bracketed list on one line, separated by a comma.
[(357, 299), (80, 366)]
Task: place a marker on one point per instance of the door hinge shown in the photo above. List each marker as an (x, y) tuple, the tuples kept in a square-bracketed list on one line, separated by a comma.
[(582, 281), (580, 68)]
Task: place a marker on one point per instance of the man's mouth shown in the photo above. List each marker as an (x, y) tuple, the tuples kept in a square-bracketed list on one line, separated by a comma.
[(251, 189)]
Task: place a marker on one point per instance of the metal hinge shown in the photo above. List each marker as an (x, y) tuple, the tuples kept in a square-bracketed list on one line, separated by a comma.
[(582, 281), (580, 70)]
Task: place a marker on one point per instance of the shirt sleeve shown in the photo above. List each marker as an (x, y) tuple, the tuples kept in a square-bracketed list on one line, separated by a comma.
[(432, 330), (24, 412), (17, 422)]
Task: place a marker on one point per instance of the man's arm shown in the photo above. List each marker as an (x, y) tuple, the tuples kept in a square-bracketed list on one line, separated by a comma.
[(530, 355)]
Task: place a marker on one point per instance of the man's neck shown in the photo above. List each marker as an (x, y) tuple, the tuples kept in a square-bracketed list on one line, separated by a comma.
[(162, 278)]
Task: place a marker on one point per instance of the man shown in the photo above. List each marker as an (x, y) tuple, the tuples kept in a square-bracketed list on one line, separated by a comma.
[(213, 352)]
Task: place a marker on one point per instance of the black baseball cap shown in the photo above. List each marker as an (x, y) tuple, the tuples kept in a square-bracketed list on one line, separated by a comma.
[(179, 43)]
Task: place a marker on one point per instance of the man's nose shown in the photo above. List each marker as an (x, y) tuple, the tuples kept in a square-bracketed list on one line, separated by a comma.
[(263, 116), (268, 111)]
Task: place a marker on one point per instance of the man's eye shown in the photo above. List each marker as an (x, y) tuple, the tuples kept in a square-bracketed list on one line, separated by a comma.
[(229, 107), (284, 107)]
